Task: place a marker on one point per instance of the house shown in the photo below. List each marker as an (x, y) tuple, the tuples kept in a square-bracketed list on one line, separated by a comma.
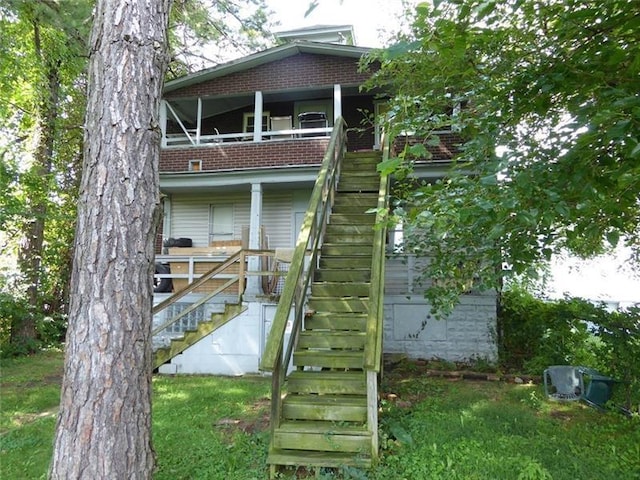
[(268, 166)]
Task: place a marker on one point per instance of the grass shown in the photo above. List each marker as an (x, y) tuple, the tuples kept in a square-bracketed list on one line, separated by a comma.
[(430, 428)]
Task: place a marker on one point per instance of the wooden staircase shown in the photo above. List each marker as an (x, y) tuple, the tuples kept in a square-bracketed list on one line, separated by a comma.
[(325, 414), (190, 337)]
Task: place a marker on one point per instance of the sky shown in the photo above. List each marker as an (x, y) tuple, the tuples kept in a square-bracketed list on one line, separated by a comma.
[(370, 18)]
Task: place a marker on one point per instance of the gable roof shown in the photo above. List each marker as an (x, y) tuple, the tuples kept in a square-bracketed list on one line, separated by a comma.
[(266, 56)]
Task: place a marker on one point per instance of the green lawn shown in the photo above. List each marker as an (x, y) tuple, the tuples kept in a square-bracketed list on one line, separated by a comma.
[(216, 428)]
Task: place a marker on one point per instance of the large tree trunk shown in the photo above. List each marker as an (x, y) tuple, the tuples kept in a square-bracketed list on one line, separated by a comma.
[(104, 425)]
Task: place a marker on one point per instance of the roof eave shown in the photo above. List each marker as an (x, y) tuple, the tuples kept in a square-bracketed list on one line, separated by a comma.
[(270, 55)]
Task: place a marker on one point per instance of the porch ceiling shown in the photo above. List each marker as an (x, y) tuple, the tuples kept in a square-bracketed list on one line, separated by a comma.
[(270, 179), (187, 108)]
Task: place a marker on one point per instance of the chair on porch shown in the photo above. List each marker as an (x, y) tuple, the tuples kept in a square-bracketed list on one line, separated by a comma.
[(281, 123)]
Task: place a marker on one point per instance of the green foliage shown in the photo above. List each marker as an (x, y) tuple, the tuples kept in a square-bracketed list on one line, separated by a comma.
[(43, 59), (209, 427), (618, 349), (50, 330), (544, 97), (535, 333)]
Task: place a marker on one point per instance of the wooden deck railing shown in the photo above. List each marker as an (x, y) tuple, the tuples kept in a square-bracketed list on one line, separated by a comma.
[(220, 272)]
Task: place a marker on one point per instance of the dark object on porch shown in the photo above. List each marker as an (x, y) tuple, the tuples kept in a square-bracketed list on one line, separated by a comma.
[(178, 242), (162, 285), (567, 383), (313, 120)]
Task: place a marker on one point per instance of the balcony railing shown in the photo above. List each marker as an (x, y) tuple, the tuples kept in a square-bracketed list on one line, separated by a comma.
[(191, 138)]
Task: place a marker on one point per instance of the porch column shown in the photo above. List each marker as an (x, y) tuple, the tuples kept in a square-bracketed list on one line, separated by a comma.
[(337, 102), (199, 121), (257, 118), (255, 221), (163, 122)]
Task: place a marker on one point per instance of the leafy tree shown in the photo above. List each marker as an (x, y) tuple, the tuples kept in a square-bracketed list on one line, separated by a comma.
[(104, 424), (43, 61), (203, 33), (543, 95)]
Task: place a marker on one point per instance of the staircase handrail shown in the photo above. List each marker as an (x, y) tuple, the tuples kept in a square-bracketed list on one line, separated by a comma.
[(238, 256), (298, 279), (195, 305), (375, 317)]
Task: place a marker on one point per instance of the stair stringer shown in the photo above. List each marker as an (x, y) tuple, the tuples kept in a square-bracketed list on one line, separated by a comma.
[(191, 337)]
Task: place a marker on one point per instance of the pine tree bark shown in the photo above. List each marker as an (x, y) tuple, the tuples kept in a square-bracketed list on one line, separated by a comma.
[(104, 426)]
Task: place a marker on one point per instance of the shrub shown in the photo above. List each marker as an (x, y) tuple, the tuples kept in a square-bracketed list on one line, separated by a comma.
[(534, 333), (50, 330)]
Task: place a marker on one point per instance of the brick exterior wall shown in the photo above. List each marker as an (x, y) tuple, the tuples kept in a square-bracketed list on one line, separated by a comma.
[(303, 70), (239, 155)]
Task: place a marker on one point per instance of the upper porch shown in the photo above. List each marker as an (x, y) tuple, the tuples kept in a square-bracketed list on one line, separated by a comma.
[(273, 108), (212, 133)]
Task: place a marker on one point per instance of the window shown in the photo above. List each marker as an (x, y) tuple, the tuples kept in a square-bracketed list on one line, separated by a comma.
[(221, 223), (195, 165), (248, 122)]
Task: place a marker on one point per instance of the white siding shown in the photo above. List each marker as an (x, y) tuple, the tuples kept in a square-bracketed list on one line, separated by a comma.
[(190, 219), (190, 215), (401, 275), (277, 218)]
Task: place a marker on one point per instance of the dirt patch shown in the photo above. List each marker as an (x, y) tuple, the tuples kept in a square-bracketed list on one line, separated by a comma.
[(260, 422), (27, 418)]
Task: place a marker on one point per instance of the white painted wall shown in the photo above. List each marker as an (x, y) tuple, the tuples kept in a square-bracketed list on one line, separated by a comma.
[(234, 349)]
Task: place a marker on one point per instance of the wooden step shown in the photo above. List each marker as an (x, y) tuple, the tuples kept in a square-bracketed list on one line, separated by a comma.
[(321, 436), (359, 185), (340, 289), (329, 408), (353, 340), (368, 161), (361, 199), (351, 382), (344, 263), (361, 233), (339, 304), (358, 238), (336, 321), (343, 275), (353, 219), (317, 459), (351, 209), (347, 250), (328, 358), (364, 165)]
